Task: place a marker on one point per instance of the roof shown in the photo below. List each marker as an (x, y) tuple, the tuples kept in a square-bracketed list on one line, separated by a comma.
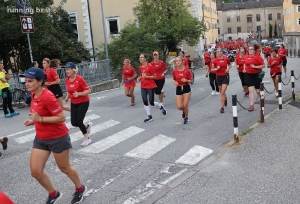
[(295, 1), (250, 4)]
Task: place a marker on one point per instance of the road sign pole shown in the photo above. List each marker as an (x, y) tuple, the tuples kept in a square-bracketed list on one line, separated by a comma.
[(29, 44)]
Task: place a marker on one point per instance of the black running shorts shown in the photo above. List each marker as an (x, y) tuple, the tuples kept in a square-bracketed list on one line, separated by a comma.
[(223, 80), (181, 90), (57, 145), (56, 90), (253, 80), (160, 84), (284, 62)]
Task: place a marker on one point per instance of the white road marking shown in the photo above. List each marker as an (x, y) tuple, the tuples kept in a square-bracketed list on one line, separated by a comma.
[(112, 140), (95, 129), (151, 147), (99, 97), (194, 155)]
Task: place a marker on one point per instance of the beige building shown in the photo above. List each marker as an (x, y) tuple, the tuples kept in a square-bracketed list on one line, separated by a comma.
[(241, 19)]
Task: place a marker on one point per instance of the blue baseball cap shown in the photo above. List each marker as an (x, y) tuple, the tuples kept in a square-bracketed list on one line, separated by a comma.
[(34, 72), (69, 65)]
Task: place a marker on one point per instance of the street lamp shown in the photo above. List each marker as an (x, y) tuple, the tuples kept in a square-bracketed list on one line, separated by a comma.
[(104, 30)]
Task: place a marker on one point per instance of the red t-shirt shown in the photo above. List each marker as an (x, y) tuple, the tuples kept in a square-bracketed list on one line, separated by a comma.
[(185, 62), (223, 63), (240, 62), (206, 57), (149, 71), (51, 75), (128, 72), (180, 74), (47, 105), (210, 65), (275, 67), (256, 60), (79, 85), (283, 52), (159, 68)]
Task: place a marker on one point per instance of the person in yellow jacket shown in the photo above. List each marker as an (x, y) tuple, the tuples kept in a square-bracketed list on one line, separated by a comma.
[(5, 90)]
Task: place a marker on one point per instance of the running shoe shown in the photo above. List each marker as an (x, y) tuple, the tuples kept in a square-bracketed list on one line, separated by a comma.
[(1, 155), (8, 115), (149, 119), (213, 93), (225, 104), (183, 115), (246, 94), (86, 142), (15, 113), (217, 93), (222, 110), (186, 121), (251, 108), (163, 110), (90, 124), (78, 195), (133, 104), (55, 199), (4, 143), (276, 94)]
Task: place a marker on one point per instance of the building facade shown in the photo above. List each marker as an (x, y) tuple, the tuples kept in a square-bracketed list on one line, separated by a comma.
[(241, 19), (291, 13)]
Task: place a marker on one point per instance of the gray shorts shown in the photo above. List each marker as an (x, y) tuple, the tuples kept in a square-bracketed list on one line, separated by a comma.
[(57, 145)]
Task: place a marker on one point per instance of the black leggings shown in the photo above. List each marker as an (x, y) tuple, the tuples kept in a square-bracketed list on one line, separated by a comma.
[(243, 78), (7, 101), (213, 82), (145, 93), (78, 112)]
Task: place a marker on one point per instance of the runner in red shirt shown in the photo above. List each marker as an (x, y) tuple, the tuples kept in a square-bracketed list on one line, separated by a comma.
[(240, 64), (4, 199), (221, 66), (185, 61), (254, 65), (51, 136), (283, 53), (212, 76), (206, 57), (147, 77), (182, 78), (160, 69), (77, 92), (275, 63), (128, 76), (53, 80)]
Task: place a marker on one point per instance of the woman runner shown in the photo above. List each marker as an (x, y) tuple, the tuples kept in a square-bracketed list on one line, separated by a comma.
[(160, 69), (51, 137), (207, 59), (182, 78), (212, 77), (221, 66), (78, 91), (254, 64), (275, 63), (53, 81), (3, 141), (240, 64), (282, 53), (185, 61), (128, 77), (147, 77)]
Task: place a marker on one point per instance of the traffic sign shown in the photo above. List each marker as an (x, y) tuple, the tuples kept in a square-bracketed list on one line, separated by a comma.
[(27, 25), (172, 54)]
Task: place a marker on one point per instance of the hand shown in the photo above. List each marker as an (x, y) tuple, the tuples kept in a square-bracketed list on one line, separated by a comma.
[(35, 117), (184, 80), (28, 122), (144, 75), (47, 83), (273, 63), (66, 100), (4, 71), (227, 70), (252, 66), (138, 79), (218, 67), (163, 74), (244, 71), (75, 94), (176, 83)]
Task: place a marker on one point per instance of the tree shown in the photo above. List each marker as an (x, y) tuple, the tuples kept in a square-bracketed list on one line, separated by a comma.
[(131, 42), (270, 30), (170, 21), (275, 30), (53, 37)]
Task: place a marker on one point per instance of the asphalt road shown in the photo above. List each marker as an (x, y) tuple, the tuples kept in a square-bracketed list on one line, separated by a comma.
[(129, 160)]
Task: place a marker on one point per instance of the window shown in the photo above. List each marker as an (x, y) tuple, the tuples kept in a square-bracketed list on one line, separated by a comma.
[(238, 19), (270, 17), (228, 19), (258, 28), (217, 21), (278, 16), (298, 21), (219, 31), (249, 19), (298, 9), (239, 29), (113, 26), (229, 30), (257, 17), (73, 21), (249, 29)]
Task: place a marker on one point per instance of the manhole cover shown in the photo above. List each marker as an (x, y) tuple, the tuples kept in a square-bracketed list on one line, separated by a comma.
[(295, 104)]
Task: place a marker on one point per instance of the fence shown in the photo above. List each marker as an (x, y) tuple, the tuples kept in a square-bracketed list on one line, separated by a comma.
[(92, 72)]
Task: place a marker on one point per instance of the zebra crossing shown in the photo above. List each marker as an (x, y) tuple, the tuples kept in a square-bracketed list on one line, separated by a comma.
[(143, 151)]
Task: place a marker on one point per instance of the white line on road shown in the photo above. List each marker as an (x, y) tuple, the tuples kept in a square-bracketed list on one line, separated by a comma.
[(112, 140), (151, 147), (194, 155), (99, 97)]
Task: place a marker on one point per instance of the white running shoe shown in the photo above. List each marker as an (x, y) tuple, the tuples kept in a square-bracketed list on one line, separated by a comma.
[(89, 128), (213, 93), (276, 94), (217, 93), (86, 142)]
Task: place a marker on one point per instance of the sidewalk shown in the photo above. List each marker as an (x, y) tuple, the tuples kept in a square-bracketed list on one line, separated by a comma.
[(265, 168)]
